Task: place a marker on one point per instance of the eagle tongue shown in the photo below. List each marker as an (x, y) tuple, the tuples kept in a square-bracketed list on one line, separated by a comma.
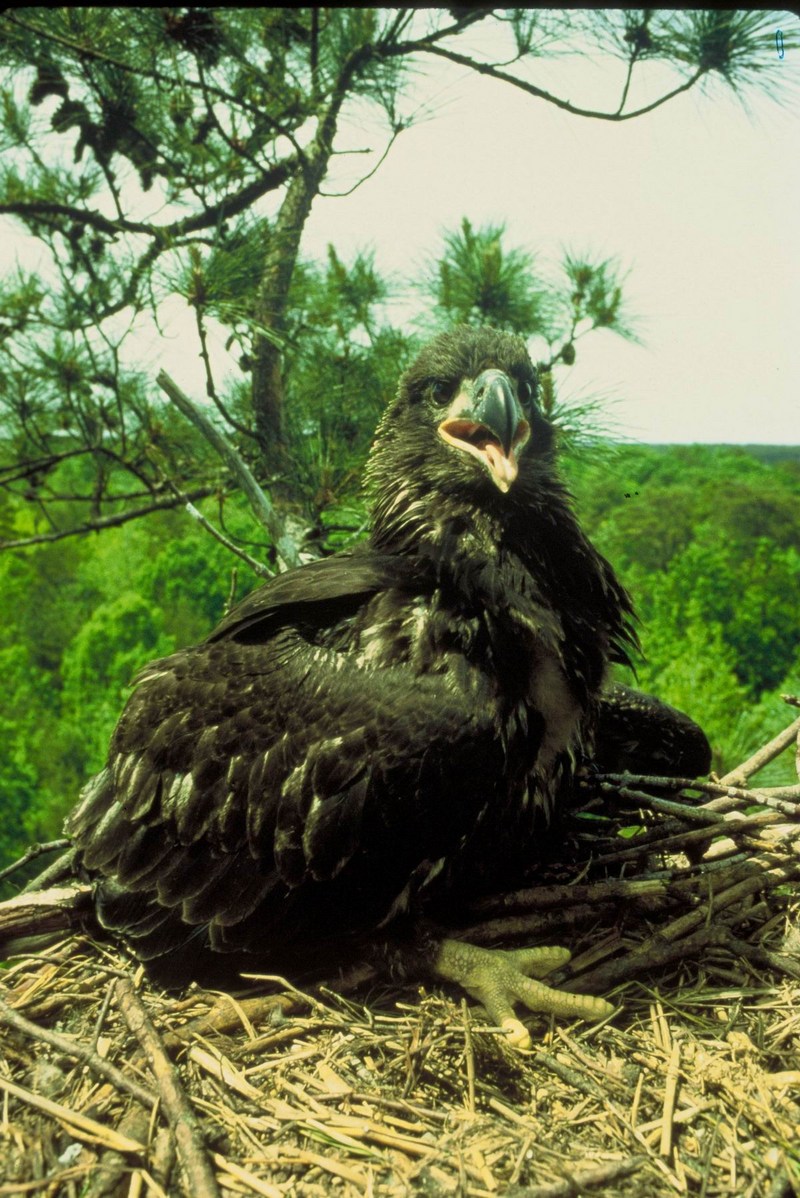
[(481, 442), (504, 469)]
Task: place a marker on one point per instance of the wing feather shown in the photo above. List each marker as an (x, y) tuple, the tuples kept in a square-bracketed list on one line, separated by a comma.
[(333, 828), (145, 852), (272, 760), (267, 776), (220, 887)]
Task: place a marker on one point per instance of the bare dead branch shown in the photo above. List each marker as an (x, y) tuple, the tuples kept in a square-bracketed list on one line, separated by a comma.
[(261, 506), (35, 850), (590, 1179), (256, 566), (43, 912), (340, 195), (58, 871), (764, 755)]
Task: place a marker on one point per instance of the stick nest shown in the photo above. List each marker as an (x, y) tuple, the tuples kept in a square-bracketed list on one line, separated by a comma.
[(682, 910)]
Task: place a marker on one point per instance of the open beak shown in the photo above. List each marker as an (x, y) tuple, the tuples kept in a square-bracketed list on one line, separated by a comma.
[(486, 420)]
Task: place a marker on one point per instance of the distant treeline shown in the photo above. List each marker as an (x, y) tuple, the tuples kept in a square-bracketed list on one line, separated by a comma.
[(771, 454)]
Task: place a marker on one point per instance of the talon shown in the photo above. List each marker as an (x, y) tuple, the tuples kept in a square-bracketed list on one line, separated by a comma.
[(499, 979), (518, 1034)]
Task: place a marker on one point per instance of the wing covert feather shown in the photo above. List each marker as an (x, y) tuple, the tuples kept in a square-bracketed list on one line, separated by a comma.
[(342, 581), (241, 766)]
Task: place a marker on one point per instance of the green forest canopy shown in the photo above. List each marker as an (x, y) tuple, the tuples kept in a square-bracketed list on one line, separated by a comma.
[(706, 538)]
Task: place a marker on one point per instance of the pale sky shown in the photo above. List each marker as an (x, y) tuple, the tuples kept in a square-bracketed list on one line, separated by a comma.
[(698, 200)]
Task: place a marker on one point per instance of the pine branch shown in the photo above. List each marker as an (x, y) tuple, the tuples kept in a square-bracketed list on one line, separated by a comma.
[(102, 522), (539, 93)]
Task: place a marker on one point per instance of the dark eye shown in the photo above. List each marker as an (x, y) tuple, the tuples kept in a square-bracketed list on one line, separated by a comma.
[(525, 391), (440, 391)]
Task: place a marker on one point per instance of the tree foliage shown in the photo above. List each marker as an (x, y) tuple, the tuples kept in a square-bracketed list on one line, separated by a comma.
[(160, 152), (83, 617), (479, 281), (708, 542)]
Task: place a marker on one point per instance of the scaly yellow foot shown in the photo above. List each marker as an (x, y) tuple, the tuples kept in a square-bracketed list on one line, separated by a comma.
[(499, 978)]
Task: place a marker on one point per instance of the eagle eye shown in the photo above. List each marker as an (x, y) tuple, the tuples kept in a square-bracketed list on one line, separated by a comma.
[(439, 390), (525, 391)]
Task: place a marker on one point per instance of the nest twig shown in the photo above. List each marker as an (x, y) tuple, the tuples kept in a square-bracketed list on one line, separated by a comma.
[(696, 855)]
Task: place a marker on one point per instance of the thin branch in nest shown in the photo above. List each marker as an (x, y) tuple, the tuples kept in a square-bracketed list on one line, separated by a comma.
[(770, 877), (579, 1183), (77, 1051), (728, 813), (681, 938), (58, 871), (469, 1057), (108, 1174), (764, 755), (683, 811), (226, 1015), (678, 842), (102, 1016), (729, 796), (74, 1119), (670, 1095), (185, 1128), (35, 850), (548, 898), (759, 852), (576, 906), (650, 956), (573, 920), (572, 1077)]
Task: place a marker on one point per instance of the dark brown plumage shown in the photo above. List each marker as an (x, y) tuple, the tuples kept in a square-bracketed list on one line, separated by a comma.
[(368, 739)]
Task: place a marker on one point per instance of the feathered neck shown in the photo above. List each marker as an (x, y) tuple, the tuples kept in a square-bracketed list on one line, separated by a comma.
[(527, 545), (435, 517)]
